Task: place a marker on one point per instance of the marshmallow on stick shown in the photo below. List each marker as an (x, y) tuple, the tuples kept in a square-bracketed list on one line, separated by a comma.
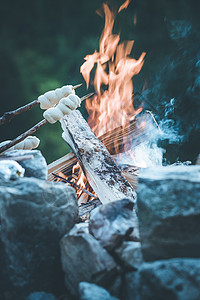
[(46, 101), (31, 142), (51, 98), (57, 114), (65, 106)]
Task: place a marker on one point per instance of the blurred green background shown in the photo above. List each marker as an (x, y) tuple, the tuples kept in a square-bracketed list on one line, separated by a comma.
[(43, 44)]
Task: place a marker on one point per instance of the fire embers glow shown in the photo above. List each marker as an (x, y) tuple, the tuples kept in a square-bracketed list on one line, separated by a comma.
[(113, 104), (78, 181), (79, 178)]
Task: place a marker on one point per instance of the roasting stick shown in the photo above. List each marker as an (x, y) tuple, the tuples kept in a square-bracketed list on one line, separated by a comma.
[(33, 129), (75, 185), (8, 116)]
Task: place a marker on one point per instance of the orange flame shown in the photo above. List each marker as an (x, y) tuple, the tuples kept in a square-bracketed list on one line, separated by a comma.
[(113, 104), (80, 180), (124, 5)]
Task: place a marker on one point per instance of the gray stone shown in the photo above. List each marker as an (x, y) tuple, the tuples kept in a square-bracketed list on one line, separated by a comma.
[(174, 279), (34, 215), (169, 212), (115, 287), (91, 291), (34, 167), (113, 222), (80, 228), (84, 259), (130, 254), (10, 170)]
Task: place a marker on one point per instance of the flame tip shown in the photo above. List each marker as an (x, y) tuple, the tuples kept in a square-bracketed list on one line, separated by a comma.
[(112, 104)]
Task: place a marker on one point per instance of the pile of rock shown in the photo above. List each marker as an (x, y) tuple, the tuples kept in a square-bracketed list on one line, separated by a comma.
[(34, 215), (169, 222), (105, 258), (108, 251), (103, 249)]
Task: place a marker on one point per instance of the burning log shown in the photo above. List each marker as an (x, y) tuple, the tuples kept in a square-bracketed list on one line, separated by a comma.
[(101, 171), (65, 164), (134, 131)]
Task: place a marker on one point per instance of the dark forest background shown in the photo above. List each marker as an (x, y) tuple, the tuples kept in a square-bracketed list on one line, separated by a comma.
[(43, 44)]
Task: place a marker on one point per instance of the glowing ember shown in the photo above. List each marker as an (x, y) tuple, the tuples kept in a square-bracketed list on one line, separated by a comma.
[(81, 180), (113, 104)]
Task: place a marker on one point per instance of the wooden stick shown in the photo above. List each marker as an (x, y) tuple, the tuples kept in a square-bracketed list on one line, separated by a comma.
[(22, 136), (75, 185), (30, 131), (8, 116)]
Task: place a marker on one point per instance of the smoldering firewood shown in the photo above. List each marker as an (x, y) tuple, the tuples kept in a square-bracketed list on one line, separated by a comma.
[(66, 163), (98, 166), (134, 131)]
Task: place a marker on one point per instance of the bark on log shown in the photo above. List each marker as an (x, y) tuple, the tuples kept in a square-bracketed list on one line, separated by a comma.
[(101, 171)]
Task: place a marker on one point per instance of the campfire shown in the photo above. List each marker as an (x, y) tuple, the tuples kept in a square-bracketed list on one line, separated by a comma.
[(105, 161), (147, 249), (112, 115)]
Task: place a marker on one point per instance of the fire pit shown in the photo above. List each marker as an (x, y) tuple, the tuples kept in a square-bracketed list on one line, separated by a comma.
[(108, 219), (112, 117)]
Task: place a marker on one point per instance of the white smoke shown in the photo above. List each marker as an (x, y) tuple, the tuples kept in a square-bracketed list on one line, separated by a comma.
[(148, 153)]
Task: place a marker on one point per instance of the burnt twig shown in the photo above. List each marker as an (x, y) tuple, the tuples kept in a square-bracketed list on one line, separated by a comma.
[(75, 185)]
